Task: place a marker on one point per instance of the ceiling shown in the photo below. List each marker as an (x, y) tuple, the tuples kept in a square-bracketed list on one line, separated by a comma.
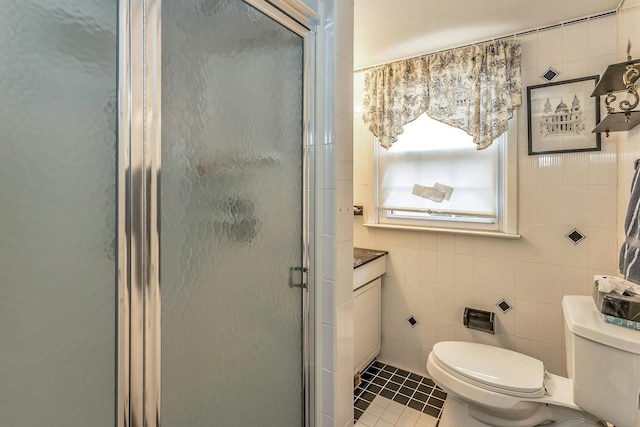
[(388, 30)]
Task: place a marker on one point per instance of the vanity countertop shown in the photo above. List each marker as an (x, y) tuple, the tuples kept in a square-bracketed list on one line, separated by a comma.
[(362, 256)]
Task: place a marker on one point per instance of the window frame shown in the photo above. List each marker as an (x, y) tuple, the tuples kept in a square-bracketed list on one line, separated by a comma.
[(507, 209)]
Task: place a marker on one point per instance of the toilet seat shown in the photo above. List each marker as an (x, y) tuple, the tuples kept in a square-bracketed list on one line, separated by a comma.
[(492, 368)]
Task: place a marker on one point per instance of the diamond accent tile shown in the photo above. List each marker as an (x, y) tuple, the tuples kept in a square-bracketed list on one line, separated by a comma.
[(550, 74), (575, 236), (503, 305)]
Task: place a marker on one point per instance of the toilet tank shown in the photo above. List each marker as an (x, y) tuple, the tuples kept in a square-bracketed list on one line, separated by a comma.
[(603, 361)]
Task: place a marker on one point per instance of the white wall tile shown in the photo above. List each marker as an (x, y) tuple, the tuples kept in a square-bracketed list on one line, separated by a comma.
[(392, 293), (428, 241), (483, 275), (549, 204), (527, 346), (445, 304), (328, 392), (550, 169), (463, 245), (527, 166), (526, 280), (526, 319), (428, 266), (549, 283), (575, 169), (602, 202), (429, 334), (528, 204), (483, 301), (550, 324), (576, 281), (445, 331), (463, 271), (576, 255), (344, 396), (504, 249), (328, 302), (446, 242), (344, 336), (549, 48), (602, 167), (575, 205), (412, 265), (412, 297), (550, 244), (413, 358), (574, 69), (344, 273), (483, 246), (392, 351), (603, 248), (328, 348), (393, 324), (461, 333), (575, 42), (599, 44), (428, 300), (504, 278), (529, 44), (445, 268)]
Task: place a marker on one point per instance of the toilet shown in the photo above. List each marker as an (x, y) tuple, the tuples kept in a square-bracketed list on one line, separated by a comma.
[(492, 386)]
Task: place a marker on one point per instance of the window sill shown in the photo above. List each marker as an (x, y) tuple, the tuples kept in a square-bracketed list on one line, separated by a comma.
[(461, 231)]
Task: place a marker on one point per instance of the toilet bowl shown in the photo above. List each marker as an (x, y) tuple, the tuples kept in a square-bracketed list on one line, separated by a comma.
[(492, 386)]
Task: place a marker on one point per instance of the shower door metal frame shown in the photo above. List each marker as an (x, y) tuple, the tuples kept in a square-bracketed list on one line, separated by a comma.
[(139, 166)]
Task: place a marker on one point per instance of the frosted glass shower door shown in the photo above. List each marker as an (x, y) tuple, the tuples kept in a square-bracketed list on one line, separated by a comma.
[(231, 216), (58, 213)]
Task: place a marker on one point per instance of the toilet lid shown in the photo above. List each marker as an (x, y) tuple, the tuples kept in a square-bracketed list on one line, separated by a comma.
[(493, 368)]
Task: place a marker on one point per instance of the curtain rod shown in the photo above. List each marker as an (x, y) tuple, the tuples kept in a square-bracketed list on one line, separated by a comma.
[(509, 36)]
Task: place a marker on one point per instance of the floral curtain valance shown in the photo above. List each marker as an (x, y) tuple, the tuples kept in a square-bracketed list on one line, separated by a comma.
[(474, 88)]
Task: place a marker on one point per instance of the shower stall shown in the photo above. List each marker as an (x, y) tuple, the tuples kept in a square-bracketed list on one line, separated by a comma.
[(156, 174)]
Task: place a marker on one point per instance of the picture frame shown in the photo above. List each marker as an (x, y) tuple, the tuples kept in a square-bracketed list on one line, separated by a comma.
[(562, 115)]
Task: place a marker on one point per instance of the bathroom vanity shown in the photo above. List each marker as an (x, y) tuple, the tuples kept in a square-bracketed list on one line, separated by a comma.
[(368, 266)]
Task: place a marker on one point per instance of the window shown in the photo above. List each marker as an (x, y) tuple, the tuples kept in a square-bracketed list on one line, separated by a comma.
[(434, 177)]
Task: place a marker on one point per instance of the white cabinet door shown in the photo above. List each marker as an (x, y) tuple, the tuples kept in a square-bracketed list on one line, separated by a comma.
[(366, 324)]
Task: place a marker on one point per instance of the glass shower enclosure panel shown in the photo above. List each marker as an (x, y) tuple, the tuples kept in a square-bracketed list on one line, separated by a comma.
[(58, 258), (231, 217)]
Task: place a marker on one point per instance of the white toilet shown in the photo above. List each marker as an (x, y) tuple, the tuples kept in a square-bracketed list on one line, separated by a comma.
[(491, 386)]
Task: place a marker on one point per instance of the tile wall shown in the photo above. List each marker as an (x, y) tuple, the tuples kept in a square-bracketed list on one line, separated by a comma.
[(434, 276), (336, 162)]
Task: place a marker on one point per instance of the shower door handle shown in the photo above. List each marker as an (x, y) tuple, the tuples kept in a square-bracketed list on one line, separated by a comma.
[(296, 273)]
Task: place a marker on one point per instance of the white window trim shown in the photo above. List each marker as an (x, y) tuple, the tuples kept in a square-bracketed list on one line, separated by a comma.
[(508, 209)]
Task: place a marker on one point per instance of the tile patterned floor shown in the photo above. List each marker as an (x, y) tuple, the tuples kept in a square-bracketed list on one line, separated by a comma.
[(388, 397)]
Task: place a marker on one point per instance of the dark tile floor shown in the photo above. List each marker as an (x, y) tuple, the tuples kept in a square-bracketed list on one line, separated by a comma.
[(400, 386)]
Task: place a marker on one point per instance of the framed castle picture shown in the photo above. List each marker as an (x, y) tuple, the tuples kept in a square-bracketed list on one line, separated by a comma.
[(561, 116)]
